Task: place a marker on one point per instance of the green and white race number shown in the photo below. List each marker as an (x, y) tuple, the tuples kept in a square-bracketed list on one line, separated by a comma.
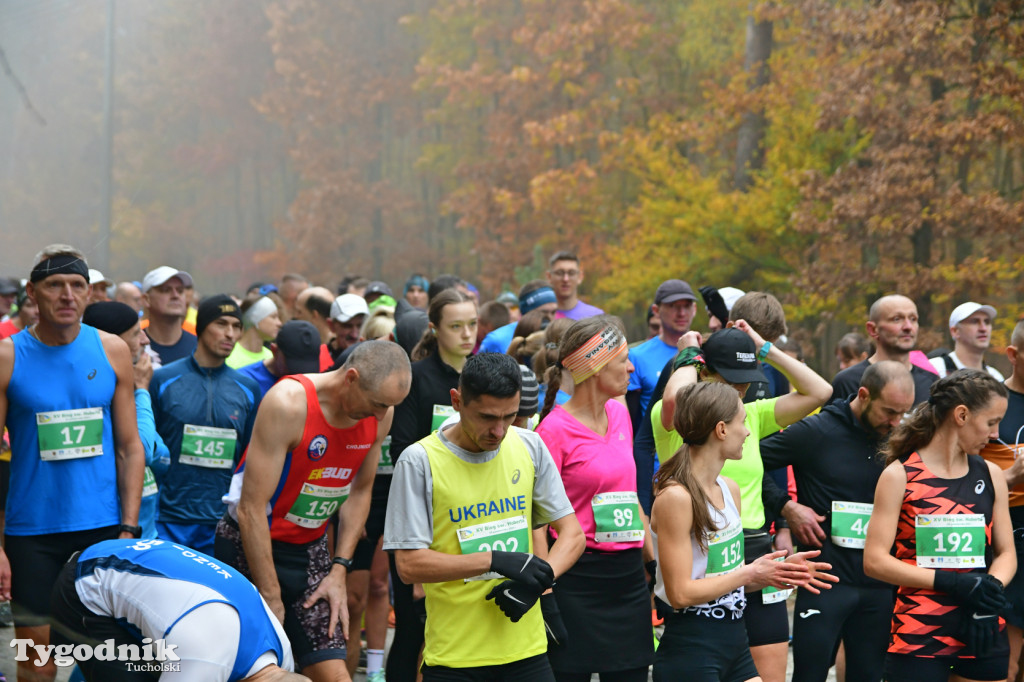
[(316, 504), (440, 414), (950, 540), (506, 535), (386, 465), (725, 551), (149, 484), (773, 595), (208, 446), (617, 517), (70, 434), (850, 523)]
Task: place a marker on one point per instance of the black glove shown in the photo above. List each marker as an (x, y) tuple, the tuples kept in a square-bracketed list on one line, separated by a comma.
[(527, 569), (513, 598), (715, 304), (977, 591), (553, 625), (652, 571), (980, 631)]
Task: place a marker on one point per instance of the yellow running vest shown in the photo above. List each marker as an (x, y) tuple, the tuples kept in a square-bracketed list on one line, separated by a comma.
[(479, 507)]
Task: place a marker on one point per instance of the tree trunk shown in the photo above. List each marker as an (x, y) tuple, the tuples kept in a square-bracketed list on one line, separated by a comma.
[(749, 143)]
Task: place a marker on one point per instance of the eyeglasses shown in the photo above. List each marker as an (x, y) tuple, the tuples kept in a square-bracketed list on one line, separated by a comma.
[(565, 274)]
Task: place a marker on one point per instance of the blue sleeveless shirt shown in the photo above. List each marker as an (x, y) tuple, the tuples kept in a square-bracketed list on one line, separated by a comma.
[(62, 495)]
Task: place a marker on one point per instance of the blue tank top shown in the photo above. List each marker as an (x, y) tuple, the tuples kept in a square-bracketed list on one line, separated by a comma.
[(142, 560), (59, 495)]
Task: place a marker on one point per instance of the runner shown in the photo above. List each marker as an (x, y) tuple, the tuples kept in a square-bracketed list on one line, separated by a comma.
[(296, 350), (534, 295), (465, 500), (76, 460), (834, 458), (970, 325), (698, 538), (314, 452), (261, 320), (439, 358), (165, 294), (945, 509), (120, 320), (27, 315), (204, 411), (731, 356), (565, 275), (603, 598), (128, 590)]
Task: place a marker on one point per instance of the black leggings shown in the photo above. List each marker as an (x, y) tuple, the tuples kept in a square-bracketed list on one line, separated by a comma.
[(860, 616), (633, 675), (403, 659)]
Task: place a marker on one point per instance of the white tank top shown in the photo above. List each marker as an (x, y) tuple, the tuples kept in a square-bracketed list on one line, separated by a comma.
[(728, 606)]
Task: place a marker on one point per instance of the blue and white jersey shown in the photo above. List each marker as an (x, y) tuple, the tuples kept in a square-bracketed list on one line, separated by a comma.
[(163, 590)]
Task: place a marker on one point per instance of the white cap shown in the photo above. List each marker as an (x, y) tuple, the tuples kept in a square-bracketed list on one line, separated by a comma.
[(155, 278), (347, 306), (96, 277), (730, 295), (965, 310)]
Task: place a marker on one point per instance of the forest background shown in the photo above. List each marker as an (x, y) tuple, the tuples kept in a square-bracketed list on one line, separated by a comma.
[(828, 151)]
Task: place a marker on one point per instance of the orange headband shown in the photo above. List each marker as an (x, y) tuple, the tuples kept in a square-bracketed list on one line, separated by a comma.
[(588, 359)]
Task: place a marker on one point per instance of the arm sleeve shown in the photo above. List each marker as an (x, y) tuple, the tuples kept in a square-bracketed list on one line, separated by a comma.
[(773, 497), (643, 455), (409, 522), (250, 420), (792, 445), (147, 425), (635, 408), (405, 429)]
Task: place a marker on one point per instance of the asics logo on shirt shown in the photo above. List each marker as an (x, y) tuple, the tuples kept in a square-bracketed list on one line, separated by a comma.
[(979, 488), (515, 476), (809, 612), (92, 375)]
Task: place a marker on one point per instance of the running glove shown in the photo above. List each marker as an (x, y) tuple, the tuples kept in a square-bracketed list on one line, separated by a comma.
[(978, 591), (980, 632), (513, 598), (553, 624), (527, 569)]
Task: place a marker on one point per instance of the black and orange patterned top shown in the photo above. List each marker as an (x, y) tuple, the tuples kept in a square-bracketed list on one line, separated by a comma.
[(925, 622)]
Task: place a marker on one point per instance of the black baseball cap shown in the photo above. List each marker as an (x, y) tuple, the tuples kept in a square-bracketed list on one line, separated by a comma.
[(731, 354), (299, 341), (672, 290)]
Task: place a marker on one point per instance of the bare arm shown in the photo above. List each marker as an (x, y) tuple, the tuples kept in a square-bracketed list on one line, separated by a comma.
[(878, 562), (811, 390), (431, 566), (130, 459), (277, 430)]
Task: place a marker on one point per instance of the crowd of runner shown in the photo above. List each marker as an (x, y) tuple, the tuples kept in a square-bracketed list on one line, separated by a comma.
[(260, 481)]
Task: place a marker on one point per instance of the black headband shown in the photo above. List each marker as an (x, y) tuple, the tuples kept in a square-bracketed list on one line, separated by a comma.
[(62, 264)]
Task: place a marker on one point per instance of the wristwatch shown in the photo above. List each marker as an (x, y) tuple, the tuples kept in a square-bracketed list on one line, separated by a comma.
[(136, 531), (341, 561)]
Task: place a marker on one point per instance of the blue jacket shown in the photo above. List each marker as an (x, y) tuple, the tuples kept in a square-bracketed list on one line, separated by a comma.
[(185, 393)]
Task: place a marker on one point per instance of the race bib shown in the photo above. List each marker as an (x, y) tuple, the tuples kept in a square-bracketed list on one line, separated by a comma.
[(950, 540), (850, 523), (386, 465), (149, 483), (773, 595), (617, 517), (441, 413), (70, 434), (725, 551), (316, 504), (505, 535), (208, 446)]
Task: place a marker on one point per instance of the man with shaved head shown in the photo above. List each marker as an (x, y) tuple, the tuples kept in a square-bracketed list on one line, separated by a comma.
[(314, 306), (892, 326), (833, 455)]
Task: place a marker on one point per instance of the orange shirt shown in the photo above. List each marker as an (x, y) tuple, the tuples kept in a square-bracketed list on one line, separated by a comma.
[(1003, 456)]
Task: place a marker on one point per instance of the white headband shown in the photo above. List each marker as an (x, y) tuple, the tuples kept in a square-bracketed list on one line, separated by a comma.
[(258, 311)]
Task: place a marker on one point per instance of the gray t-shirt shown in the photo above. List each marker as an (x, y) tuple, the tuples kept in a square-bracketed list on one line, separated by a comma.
[(409, 523)]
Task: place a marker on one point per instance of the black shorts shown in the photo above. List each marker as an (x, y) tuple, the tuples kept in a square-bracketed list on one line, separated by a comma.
[(766, 623), (527, 670), (36, 561), (362, 558), (906, 668), (5, 481), (300, 568), (700, 649), (73, 623)]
